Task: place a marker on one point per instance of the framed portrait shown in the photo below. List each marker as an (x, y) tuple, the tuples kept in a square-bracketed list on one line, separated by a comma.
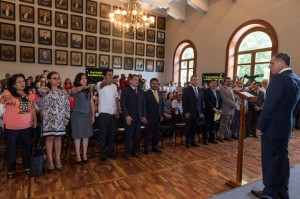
[(117, 32), (76, 22), (28, 1), (104, 61), (90, 25), (154, 24), (76, 58), (139, 49), (26, 13), (27, 34), (128, 63), (104, 44), (139, 64), (45, 36), (149, 65), (129, 35), (151, 35), (47, 3), (161, 23), (45, 56), (8, 31), (61, 20), (140, 36), (90, 60), (77, 6), (76, 40), (61, 39), (61, 4), (117, 62), (116, 46), (160, 37), (45, 17), (104, 10), (27, 54), (90, 42), (7, 10), (159, 66), (160, 52), (91, 8), (61, 57), (104, 27), (150, 50), (129, 48), (7, 52)]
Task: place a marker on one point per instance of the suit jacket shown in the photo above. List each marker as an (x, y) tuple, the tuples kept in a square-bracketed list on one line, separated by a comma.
[(210, 101), (190, 103), (228, 103), (281, 105), (132, 105), (29, 16), (45, 40), (154, 110), (10, 12), (259, 102), (42, 18)]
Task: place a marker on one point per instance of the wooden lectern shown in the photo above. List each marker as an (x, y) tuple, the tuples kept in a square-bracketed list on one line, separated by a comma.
[(239, 173)]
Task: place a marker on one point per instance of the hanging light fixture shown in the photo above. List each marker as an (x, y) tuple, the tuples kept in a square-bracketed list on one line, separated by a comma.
[(131, 17)]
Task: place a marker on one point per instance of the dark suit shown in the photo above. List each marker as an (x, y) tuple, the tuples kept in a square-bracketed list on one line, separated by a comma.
[(10, 12), (194, 105), (45, 40), (154, 112), (276, 123), (29, 16), (133, 105), (210, 101), (253, 115), (44, 19)]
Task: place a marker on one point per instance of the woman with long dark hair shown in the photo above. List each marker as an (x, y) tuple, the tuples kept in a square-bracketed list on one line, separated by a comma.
[(56, 116), (83, 115), (18, 120)]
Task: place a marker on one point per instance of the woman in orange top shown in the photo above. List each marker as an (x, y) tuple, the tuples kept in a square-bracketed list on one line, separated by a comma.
[(18, 120)]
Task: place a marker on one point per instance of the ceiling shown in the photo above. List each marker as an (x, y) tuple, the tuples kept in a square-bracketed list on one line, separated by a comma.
[(177, 8)]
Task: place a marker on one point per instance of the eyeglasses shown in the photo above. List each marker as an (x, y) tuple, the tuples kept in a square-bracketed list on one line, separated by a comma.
[(56, 78)]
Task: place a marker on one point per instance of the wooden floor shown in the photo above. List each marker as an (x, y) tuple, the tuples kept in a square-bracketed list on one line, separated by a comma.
[(176, 173)]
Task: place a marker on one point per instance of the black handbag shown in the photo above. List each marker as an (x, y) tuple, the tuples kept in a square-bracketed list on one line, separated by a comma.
[(37, 158)]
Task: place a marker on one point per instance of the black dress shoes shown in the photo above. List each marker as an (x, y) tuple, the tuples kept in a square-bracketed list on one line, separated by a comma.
[(235, 137), (128, 157), (146, 152), (157, 150), (228, 139), (261, 194), (213, 141), (205, 142), (137, 155), (195, 145), (188, 146)]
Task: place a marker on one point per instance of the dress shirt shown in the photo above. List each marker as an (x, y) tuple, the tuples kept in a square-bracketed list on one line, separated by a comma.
[(107, 98)]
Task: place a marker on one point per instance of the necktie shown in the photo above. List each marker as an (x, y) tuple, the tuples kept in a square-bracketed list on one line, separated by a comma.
[(156, 96), (196, 91), (135, 91)]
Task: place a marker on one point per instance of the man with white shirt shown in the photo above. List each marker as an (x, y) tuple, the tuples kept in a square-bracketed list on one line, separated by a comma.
[(7, 12), (108, 113)]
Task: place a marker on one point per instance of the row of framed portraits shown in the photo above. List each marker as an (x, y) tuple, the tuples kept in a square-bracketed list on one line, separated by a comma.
[(8, 32), (27, 55), (26, 13)]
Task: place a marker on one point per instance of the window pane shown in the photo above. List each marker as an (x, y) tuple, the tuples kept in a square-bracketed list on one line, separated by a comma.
[(188, 53), (191, 64), (262, 69), (183, 65), (256, 40), (263, 56), (243, 70), (191, 71), (183, 76), (244, 58)]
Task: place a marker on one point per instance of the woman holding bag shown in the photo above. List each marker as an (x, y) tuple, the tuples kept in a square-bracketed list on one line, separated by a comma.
[(18, 120)]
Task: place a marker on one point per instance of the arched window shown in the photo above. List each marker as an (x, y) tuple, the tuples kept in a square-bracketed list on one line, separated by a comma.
[(184, 62), (250, 49)]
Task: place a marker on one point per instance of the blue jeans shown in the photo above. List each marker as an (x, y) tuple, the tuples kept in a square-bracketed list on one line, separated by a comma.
[(236, 123)]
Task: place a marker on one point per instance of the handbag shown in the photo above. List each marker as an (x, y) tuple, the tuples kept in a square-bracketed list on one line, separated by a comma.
[(37, 158)]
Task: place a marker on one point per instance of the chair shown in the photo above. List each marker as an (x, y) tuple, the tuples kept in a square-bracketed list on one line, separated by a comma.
[(179, 124), (166, 129), (119, 133)]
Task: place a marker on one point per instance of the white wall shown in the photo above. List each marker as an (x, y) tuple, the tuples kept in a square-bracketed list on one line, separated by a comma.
[(210, 32), (33, 69)]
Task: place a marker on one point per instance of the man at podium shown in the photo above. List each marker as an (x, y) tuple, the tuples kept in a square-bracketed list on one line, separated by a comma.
[(275, 126)]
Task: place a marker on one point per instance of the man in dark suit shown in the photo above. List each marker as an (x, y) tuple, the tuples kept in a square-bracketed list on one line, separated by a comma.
[(45, 39), (133, 106), (7, 12), (192, 105), (26, 14), (61, 21), (44, 18), (154, 114), (275, 126), (212, 100)]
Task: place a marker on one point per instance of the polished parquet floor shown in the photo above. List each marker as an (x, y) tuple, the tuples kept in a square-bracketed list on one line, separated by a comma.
[(176, 173)]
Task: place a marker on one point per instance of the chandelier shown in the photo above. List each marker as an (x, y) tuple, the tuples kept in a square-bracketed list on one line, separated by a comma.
[(131, 18)]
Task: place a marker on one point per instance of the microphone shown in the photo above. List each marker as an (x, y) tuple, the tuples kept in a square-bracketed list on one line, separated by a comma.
[(253, 76)]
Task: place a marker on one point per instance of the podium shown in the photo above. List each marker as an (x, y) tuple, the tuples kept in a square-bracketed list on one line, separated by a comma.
[(239, 173)]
